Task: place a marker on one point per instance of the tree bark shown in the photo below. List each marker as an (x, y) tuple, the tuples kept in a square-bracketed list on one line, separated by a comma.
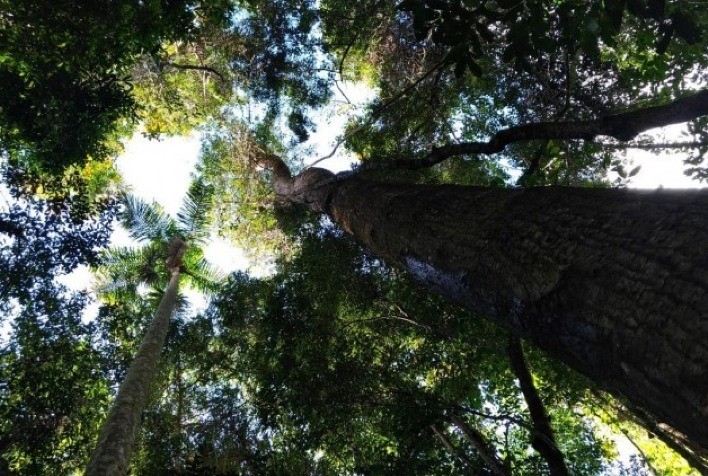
[(115, 442), (611, 282), (543, 439)]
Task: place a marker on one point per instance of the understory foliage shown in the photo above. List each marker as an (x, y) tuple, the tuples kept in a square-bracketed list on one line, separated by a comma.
[(329, 361), (356, 363), (54, 387)]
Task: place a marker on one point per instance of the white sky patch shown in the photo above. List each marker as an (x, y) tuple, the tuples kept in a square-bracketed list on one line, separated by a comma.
[(661, 171), (331, 122), (77, 279), (666, 168), (120, 237), (160, 170), (224, 256)]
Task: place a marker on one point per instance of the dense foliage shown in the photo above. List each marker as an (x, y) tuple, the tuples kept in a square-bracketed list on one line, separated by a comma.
[(334, 362)]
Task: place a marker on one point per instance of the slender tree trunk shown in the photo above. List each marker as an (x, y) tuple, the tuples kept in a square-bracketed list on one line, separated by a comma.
[(696, 456), (442, 437), (614, 283), (115, 442), (543, 439), (479, 443)]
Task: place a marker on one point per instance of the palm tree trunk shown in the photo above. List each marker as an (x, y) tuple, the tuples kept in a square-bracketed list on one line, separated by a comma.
[(115, 442)]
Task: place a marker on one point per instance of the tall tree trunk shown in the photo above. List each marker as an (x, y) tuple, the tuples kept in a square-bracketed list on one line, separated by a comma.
[(611, 282), (614, 283), (543, 439), (115, 442)]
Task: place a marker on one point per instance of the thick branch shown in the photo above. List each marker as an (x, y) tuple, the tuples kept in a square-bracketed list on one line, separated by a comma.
[(623, 127), (275, 164), (312, 187), (543, 439)]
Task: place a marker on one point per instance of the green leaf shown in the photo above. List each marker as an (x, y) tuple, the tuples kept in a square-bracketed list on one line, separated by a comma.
[(474, 68), (146, 221), (589, 45), (193, 215)]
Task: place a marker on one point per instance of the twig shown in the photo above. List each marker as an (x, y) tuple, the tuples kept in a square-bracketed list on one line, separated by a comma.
[(442, 437), (376, 114), (479, 443), (195, 67)]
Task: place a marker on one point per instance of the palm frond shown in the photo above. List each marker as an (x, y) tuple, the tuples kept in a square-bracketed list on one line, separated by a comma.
[(193, 216), (204, 276), (146, 221), (155, 294), (121, 261), (118, 291), (126, 268)]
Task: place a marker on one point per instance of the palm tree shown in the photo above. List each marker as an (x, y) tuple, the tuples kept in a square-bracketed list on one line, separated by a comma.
[(172, 250)]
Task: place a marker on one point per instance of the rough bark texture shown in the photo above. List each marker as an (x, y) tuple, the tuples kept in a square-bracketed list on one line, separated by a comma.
[(543, 439), (612, 282), (115, 442)]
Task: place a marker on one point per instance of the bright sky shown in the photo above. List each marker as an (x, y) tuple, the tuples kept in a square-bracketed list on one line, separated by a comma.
[(664, 170), (160, 170)]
